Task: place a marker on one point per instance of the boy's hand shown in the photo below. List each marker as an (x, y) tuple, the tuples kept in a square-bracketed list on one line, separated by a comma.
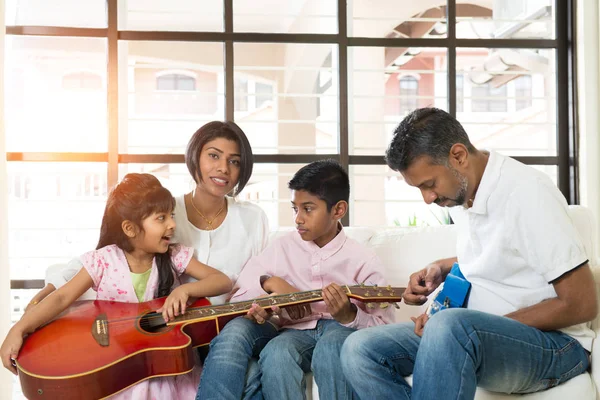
[(338, 304), (257, 314), (175, 303), (10, 350), (420, 322)]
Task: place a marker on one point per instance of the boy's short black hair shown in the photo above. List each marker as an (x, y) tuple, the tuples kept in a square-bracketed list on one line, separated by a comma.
[(325, 179)]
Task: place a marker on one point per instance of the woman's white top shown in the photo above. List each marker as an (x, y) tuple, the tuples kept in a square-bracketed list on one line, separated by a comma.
[(243, 234)]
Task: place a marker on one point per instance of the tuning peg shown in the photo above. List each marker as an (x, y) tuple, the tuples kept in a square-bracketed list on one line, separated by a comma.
[(367, 293), (384, 305), (389, 288), (379, 294), (396, 305), (370, 305)]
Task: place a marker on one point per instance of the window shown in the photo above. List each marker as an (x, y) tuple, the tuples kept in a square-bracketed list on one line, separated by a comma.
[(82, 81), (523, 92), (240, 100), (175, 82), (487, 98), (460, 92), (298, 88), (409, 90)]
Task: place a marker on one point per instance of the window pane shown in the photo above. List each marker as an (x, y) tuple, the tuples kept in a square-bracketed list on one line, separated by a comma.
[(505, 19), (509, 99), (67, 13), (397, 19), (303, 115), (174, 177), (46, 108), (55, 213), (167, 90), (172, 15), (385, 84), (380, 197), (285, 16), (268, 188)]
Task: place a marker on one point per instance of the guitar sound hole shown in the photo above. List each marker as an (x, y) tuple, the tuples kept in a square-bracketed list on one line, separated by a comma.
[(153, 323)]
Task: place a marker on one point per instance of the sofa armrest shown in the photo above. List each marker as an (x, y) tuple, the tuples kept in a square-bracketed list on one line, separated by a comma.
[(595, 356)]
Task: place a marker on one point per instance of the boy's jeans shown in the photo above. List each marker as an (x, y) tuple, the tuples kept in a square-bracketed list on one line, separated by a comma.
[(228, 364), (286, 358), (460, 350)]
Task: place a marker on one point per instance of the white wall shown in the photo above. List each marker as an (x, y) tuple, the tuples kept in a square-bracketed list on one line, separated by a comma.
[(5, 376), (588, 48)]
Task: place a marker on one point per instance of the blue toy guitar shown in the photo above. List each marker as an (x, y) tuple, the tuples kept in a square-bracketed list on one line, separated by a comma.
[(454, 292)]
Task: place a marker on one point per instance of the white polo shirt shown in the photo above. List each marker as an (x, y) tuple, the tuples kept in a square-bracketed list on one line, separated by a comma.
[(516, 239)]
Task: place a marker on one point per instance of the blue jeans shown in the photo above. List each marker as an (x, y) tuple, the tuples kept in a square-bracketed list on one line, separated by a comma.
[(460, 350), (229, 372), (286, 358)]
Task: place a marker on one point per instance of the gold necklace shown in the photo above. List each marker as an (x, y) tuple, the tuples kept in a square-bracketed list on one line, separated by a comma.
[(208, 222)]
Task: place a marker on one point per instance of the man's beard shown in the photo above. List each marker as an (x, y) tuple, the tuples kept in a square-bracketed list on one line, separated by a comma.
[(461, 194)]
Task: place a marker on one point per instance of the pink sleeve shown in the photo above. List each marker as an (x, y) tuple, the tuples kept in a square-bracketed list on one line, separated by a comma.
[(95, 264), (181, 256), (248, 285)]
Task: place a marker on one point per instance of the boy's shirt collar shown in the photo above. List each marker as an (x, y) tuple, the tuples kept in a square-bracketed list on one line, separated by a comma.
[(326, 251)]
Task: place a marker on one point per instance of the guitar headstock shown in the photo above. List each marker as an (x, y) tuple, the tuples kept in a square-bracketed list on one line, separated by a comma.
[(376, 294)]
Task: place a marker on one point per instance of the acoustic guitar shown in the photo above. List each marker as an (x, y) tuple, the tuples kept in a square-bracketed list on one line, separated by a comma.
[(98, 348)]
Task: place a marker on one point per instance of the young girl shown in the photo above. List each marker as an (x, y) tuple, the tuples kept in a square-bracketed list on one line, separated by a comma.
[(133, 262)]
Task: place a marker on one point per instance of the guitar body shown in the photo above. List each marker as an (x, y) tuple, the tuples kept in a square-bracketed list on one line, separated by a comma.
[(98, 348), (63, 360)]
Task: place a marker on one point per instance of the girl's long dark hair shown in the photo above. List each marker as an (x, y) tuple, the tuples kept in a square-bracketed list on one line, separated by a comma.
[(136, 197)]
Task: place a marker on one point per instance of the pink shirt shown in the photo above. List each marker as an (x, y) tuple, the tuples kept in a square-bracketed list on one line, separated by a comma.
[(307, 266)]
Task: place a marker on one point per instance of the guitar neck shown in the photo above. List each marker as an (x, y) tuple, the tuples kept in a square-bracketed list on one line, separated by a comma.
[(242, 307), (362, 293)]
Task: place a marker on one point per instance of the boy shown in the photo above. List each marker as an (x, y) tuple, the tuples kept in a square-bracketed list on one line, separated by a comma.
[(317, 256)]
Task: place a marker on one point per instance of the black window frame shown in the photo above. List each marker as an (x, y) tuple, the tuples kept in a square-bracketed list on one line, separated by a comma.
[(566, 158)]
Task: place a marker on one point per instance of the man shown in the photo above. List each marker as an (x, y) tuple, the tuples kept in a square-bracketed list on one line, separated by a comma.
[(532, 290)]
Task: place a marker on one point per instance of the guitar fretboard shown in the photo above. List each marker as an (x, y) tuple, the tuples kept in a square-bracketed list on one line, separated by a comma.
[(243, 306)]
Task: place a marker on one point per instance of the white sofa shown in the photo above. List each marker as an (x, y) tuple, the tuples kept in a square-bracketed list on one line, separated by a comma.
[(406, 250)]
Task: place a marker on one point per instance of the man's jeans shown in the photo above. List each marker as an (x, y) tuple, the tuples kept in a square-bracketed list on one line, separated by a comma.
[(229, 372), (286, 358), (460, 350)]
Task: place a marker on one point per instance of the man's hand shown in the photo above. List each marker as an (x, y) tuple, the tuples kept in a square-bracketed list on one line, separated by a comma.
[(420, 322), (422, 283), (338, 304)]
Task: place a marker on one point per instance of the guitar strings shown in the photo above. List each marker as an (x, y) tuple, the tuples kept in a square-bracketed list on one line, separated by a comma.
[(154, 316)]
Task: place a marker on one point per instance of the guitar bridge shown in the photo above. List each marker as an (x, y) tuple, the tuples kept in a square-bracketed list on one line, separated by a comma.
[(100, 330)]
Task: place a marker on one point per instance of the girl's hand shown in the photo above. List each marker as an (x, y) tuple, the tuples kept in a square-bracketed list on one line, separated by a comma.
[(10, 350), (175, 303), (338, 304)]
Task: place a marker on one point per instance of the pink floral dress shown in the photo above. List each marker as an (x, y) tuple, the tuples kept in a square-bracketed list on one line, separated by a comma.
[(112, 281)]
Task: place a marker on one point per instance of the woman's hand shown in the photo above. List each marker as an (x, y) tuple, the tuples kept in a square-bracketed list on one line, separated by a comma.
[(10, 350), (338, 304), (175, 304)]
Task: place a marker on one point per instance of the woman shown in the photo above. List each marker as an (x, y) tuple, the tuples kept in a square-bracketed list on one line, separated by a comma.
[(224, 232)]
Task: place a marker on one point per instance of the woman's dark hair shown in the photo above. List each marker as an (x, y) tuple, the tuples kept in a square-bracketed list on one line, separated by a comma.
[(135, 198), (425, 132), (325, 179), (213, 130)]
